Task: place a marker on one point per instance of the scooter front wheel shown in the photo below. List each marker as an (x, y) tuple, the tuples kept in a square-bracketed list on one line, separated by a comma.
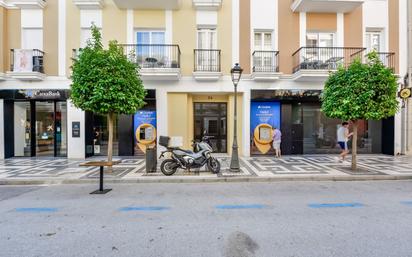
[(213, 165), (168, 167)]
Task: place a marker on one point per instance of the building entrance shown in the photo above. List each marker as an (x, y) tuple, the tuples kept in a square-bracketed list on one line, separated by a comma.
[(211, 118), (40, 128), (36, 122)]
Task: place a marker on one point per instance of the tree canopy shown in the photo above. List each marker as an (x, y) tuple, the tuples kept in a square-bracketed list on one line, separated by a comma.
[(104, 80), (361, 91)]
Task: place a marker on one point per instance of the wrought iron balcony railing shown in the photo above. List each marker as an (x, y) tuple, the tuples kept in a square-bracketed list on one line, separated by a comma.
[(153, 55), (26, 60), (388, 59), (265, 61), (325, 58), (207, 60)]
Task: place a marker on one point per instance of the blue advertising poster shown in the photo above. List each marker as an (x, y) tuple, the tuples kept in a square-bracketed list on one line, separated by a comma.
[(264, 112), (264, 116), (146, 121)]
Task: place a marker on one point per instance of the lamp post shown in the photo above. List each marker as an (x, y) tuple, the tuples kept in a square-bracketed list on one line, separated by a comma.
[(236, 73)]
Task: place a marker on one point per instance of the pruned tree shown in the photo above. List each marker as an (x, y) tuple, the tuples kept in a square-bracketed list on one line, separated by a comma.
[(105, 81), (361, 91)]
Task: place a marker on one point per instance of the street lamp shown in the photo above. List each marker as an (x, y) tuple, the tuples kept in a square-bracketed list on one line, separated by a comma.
[(236, 73)]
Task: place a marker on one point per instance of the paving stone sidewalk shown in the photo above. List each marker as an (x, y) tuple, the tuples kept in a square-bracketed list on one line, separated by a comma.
[(132, 169)]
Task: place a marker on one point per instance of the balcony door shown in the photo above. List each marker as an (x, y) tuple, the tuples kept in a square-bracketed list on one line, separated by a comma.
[(40, 128), (150, 49), (206, 58), (263, 42), (320, 48), (374, 41), (45, 128)]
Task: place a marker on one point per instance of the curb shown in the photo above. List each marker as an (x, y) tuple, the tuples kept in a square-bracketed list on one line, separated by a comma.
[(205, 180)]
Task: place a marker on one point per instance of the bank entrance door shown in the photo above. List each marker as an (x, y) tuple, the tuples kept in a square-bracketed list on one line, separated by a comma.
[(40, 128), (211, 118)]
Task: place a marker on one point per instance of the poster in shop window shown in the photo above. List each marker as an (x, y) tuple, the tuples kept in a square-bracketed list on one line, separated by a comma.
[(264, 116), (144, 130)]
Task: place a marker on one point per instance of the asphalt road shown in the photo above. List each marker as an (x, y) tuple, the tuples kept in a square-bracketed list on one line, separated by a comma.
[(223, 219)]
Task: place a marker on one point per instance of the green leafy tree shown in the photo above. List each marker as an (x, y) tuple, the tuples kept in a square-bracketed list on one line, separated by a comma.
[(362, 91), (106, 82)]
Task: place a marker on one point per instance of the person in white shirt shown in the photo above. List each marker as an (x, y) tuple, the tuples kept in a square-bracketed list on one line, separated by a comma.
[(343, 137), (277, 138)]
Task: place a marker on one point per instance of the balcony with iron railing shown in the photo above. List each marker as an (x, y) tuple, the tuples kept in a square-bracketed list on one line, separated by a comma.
[(207, 60), (316, 62), (265, 65), (156, 61), (388, 59), (207, 64), (325, 58), (26, 64)]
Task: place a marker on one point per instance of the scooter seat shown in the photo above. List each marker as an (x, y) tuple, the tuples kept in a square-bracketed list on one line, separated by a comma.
[(179, 151)]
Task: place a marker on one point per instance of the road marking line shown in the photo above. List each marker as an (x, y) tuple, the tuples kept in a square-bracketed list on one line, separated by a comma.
[(334, 205), (144, 208), (36, 209), (243, 206)]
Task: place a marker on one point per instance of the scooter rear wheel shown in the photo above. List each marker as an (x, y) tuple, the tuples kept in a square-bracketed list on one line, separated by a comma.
[(213, 165), (168, 167)]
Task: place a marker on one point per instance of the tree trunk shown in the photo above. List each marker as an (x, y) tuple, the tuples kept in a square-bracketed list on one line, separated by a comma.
[(110, 116), (354, 144)]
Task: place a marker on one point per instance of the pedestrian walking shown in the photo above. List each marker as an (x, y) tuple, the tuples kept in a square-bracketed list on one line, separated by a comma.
[(277, 138), (343, 137)]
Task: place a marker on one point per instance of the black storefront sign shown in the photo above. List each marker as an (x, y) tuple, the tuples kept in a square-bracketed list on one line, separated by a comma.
[(35, 94), (76, 129)]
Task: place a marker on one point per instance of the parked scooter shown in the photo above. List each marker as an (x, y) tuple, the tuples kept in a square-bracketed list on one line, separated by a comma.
[(187, 159)]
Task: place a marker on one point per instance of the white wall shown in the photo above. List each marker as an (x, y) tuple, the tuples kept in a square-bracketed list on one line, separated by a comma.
[(235, 31), (31, 18), (62, 38), (76, 148), (246, 123), (161, 115), (169, 27), (340, 29), (402, 117), (375, 15), (206, 18), (32, 29), (1, 129), (264, 16), (87, 18), (302, 29)]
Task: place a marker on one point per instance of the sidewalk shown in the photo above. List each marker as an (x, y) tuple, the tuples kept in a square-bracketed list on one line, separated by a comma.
[(302, 167)]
